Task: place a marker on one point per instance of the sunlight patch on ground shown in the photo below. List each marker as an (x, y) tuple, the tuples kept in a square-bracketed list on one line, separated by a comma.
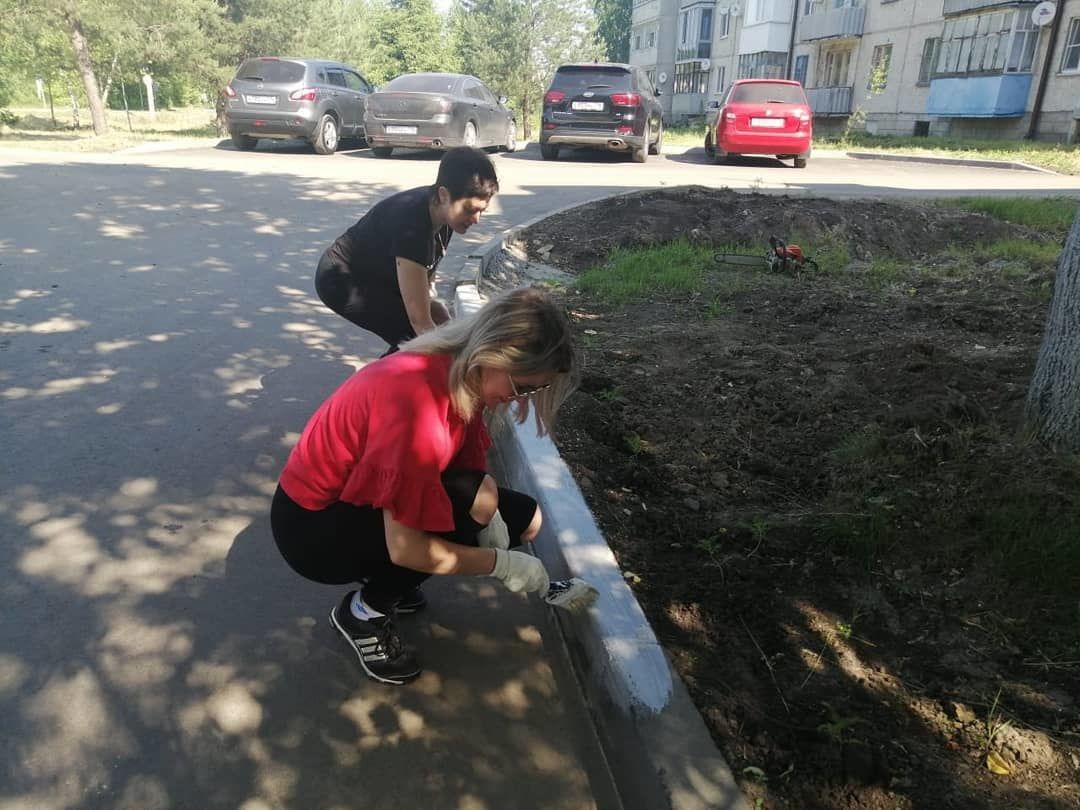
[(116, 230), (370, 717), (64, 386), (108, 346), (22, 295), (49, 326)]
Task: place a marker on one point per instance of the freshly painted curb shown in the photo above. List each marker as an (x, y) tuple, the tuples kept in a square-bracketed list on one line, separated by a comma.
[(656, 745), (984, 164)]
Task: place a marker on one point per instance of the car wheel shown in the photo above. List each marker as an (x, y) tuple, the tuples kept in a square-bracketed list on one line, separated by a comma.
[(710, 150), (641, 154), (511, 137), (243, 142), (382, 151), (658, 147), (326, 135), (800, 161), (719, 156), (469, 136), (549, 151)]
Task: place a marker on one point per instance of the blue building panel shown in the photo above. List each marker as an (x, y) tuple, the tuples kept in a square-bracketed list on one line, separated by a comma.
[(1003, 95)]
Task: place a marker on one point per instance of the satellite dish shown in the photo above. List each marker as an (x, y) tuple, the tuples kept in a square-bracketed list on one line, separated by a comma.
[(1043, 13), (662, 78), (736, 10), (705, 64)]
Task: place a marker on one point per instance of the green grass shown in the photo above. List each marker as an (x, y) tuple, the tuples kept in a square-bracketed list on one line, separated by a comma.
[(35, 129), (629, 274), (1057, 157), (682, 135), (1050, 214)]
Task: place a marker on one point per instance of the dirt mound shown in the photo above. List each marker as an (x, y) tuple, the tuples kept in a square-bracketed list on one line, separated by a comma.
[(583, 237)]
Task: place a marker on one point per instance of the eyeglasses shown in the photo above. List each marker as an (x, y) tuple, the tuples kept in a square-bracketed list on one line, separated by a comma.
[(525, 390)]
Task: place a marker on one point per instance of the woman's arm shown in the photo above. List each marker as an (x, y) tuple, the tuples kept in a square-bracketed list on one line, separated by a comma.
[(420, 551), (416, 293)]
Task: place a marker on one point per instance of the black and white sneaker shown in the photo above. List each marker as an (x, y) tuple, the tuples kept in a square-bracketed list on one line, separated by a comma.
[(377, 644), (412, 601)]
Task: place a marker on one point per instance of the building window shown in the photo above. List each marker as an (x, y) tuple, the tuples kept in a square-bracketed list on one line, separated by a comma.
[(763, 65), (998, 42), (725, 24), (706, 25), (652, 39), (637, 42), (720, 71), (879, 68), (833, 69), (685, 26), (1070, 59), (690, 78), (808, 7), (929, 56), (800, 69), (651, 74)]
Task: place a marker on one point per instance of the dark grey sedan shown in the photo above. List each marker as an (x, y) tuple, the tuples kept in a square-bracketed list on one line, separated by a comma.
[(437, 111)]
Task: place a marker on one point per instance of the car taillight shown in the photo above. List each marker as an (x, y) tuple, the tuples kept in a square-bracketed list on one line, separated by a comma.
[(626, 99), (804, 120), (229, 91), (303, 94), (445, 105), (624, 130), (554, 97)]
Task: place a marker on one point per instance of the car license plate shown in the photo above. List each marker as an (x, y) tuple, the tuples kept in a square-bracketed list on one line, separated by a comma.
[(770, 123), (401, 130), (588, 106), (261, 99)]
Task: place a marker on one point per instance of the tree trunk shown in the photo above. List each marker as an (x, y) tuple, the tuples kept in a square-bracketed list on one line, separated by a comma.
[(86, 70), (1052, 409), (108, 81)]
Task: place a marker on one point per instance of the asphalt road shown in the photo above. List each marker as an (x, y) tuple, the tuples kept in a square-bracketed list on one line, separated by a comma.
[(160, 349)]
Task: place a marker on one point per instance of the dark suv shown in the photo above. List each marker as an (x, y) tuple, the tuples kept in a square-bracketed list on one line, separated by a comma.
[(316, 99), (602, 105)]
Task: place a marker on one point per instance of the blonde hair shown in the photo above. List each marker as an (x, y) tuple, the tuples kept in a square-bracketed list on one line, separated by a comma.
[(520, 332)]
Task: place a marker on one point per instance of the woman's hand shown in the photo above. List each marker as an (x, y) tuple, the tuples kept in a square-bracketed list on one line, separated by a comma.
[(520, 571)]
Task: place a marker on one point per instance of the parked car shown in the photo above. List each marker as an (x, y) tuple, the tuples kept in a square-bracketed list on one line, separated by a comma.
[(602, 105), (762, 117), (316, 99), (438, 111)]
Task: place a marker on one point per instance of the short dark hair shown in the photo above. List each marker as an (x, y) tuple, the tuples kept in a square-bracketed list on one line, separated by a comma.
[(467, 172)]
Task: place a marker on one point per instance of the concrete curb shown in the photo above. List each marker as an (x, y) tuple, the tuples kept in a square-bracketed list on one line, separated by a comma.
[(984, 164), (657, 749)]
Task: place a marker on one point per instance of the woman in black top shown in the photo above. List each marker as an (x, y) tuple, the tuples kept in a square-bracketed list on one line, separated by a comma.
[(378, 274)]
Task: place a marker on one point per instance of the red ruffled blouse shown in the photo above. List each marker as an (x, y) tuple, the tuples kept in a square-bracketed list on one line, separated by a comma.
[(383, 439)]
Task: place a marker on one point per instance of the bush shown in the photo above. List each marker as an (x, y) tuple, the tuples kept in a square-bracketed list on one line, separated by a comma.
[(8, 118)]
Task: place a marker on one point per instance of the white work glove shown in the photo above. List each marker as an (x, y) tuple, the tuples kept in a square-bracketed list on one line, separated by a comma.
[(495, 534), (520, 571)]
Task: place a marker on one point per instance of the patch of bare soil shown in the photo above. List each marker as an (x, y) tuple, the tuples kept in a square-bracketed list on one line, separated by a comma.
[(820, 496)]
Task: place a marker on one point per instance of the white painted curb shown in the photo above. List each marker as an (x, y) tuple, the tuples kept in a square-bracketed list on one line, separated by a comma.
[(658, 750)]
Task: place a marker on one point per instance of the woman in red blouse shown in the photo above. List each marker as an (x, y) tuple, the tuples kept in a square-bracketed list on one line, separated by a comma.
[(386, 485)]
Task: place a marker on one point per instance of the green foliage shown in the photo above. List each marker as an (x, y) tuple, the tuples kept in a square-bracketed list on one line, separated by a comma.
[(1051, 214), (676, 267), (613, 28), (407, 37)]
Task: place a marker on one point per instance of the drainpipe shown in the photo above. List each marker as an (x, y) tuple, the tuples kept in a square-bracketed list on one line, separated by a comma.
[(791, 42), (1044, 76)]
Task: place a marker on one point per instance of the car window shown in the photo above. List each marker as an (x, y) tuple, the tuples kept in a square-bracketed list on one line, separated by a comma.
[(423, 83), (320, 76), (336, 78), (472, 90), (645, 84), (577, 79), (488, 96), (354, 82), (765, 92), (277, 71)]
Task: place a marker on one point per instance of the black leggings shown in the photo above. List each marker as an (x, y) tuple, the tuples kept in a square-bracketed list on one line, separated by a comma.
[(344, 543), (376, 309)]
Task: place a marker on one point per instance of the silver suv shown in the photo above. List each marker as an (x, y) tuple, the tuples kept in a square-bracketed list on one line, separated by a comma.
[(316, 99)]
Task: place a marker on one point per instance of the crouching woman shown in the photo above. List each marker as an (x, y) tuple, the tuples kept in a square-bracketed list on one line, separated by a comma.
[(387, 484)]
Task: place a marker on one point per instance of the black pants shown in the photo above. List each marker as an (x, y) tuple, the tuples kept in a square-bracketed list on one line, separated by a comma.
[(371, 307), (345, 543)]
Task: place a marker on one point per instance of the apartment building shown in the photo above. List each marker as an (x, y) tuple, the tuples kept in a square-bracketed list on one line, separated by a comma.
[(971, 68)]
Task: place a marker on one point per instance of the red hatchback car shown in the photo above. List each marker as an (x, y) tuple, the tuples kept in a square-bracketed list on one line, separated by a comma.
[(762, 117)]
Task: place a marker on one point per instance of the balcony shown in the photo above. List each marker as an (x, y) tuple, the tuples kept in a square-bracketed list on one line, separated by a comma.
[(703, 50), (826, 101), (953, 7), (999, 96), (841, 22)]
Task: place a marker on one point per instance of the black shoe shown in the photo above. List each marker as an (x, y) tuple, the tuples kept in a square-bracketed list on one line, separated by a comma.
[(412, 601), (377, 645)]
